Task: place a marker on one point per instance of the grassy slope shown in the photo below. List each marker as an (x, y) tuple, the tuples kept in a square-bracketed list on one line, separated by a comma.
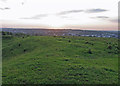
[(55, 60)]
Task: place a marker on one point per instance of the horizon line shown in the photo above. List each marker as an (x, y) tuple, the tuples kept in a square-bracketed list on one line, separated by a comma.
[(59, 29)]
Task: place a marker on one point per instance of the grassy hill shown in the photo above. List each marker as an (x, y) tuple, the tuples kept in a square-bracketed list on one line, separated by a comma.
[(60, 60)]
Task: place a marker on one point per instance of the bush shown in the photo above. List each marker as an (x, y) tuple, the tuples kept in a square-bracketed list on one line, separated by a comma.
[(109, 47), (89, 51), (7, 37)]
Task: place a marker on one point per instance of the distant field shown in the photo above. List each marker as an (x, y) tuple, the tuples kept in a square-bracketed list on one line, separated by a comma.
[(60, 60)]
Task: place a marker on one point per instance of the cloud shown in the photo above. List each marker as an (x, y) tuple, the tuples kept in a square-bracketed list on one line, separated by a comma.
[(100, 17), (95, 10), (70, 11), (5, 8), (106, 18), (115, 20), (3, 0), (85, 11), (1, 9), (36, 16)]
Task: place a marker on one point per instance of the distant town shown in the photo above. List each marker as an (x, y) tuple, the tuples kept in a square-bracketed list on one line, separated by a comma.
[(63, 32)]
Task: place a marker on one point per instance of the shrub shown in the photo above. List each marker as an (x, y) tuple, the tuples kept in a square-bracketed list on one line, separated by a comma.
[(69, 41), (89, 51), (109, 47)]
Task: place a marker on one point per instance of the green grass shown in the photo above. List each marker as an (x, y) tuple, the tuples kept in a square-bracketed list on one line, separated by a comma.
[(55, 60)]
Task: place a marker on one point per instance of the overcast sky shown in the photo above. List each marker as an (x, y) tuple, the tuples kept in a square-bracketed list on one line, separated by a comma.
[(66, 14)]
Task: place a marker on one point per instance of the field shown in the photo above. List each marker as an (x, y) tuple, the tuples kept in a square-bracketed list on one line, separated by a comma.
[(59, 60)]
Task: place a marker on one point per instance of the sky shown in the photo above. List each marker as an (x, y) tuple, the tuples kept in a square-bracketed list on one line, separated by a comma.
[(59, 14)]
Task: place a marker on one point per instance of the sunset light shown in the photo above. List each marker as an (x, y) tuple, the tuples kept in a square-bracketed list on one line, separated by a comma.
[(80, 14)]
